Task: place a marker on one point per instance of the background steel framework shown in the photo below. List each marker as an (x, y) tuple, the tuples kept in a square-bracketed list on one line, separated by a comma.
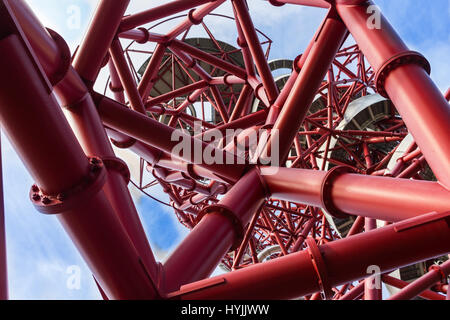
[(363, 138)]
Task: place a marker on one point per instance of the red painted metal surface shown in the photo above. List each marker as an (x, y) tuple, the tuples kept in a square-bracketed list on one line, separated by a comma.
[(360, 130), (3, 261)]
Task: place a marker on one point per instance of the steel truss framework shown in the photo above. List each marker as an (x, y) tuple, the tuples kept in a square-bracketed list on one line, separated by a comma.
[(361, 184)]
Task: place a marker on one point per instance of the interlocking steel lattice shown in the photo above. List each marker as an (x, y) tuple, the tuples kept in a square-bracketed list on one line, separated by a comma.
[(360, 130)]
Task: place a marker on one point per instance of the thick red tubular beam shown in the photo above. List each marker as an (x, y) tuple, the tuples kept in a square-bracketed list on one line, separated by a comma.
[(165, 10), (381, 198), (337, 262), (420, 103), (91, 134), (91, 53), (251, 37), (317, 63), (435, 275), (222, 227), (44, 47), (3, 257), (50, 55), (30, 109), (159, 135)]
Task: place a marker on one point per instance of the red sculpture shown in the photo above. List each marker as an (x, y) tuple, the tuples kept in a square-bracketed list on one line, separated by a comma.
[(360, 180)]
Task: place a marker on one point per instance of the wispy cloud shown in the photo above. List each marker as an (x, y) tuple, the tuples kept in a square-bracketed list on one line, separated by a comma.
[(39, 251)]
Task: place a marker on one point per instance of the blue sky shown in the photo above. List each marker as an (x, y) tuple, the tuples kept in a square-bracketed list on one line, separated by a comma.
[(39, 251)]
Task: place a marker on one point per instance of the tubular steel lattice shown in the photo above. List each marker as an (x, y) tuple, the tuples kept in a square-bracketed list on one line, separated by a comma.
[(359, 128)]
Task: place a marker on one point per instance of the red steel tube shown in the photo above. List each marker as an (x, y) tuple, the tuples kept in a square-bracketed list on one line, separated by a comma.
[(30, 108), (156, 134), (3, 256), (176, 93), (198, 255), (284, 94), (354, 293), (436, 274), (340, 261), (94, 47), (220, 105), (241, 103), (150, 73), (86, 123), (209, 58), (420, 103), (248, 121), (141, 18), (156, 157), (194, 17), (126, 78), (141, 36), (91, 134), (48, 52), (405, 198), (317, 63), (371, 292), (310, 3), (44, 47), (115, 85), (245, 21), (427, 294)]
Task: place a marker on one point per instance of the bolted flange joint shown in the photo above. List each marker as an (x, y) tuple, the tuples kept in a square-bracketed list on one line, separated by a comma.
[(325, 191), (398, 60), (116, 164), (235, 221), (67, 200), (320, 268)]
